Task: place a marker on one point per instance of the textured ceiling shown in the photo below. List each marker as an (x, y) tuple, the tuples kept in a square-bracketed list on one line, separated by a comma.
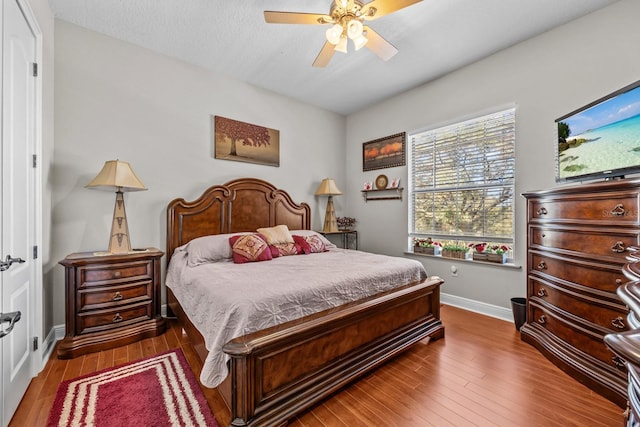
[(433, 37)]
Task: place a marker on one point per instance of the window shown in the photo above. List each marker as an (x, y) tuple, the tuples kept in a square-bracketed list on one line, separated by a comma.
[(461, 181)]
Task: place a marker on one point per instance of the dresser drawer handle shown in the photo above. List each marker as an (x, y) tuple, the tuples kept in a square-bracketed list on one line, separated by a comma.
[(117, 318), (117, 274), (618, 281), (618, 362), (542, 265), (618, 323), (542, 292), (618, 210), (117, 296), (542, 319), (618, 247), (542, 211)]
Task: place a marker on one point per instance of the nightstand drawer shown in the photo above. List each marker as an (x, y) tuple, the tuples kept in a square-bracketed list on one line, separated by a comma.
[(92, 299), (114, 273), (100, 320)]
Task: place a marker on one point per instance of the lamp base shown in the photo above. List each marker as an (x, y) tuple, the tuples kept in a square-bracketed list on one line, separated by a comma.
[(330, 222), (119, 239)]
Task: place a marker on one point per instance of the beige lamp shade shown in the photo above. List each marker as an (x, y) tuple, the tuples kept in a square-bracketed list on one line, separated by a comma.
[(329, 188), (118, 176)]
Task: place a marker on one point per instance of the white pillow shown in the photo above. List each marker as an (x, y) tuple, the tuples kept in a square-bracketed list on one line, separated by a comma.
[(214, 248), (307, 233)]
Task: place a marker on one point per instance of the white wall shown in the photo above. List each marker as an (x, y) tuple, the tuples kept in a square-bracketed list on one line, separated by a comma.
[(545, 77), (116, 100)]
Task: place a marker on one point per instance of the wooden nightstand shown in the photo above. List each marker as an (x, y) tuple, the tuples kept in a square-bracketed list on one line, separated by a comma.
[(111, 300)]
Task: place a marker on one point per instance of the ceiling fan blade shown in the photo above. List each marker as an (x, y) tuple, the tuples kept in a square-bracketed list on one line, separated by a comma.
[(325, 55), (378, 8), (296, 18), (379, 45)]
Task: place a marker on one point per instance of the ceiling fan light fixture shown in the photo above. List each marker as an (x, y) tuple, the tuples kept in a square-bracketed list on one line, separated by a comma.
[(342, 45), (334, 34), (354, 29), (359, 42)]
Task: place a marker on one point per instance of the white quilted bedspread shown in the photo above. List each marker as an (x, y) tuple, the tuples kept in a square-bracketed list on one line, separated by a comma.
[(226, 300)]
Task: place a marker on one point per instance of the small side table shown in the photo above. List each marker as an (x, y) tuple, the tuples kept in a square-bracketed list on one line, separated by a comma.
[(110, 300), (349, 238)]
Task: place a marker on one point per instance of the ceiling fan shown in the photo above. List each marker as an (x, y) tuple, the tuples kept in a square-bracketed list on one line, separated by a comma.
[(347, 17)]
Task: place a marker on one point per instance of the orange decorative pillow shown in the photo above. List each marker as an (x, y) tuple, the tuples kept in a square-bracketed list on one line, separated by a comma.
[(249, 248)]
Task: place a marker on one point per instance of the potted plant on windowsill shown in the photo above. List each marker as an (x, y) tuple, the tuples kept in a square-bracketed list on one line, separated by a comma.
[(455, 251), (494, 253), (426, 246)]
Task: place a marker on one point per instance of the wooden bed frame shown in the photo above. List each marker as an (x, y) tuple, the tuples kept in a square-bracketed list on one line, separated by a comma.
[(281, 371)]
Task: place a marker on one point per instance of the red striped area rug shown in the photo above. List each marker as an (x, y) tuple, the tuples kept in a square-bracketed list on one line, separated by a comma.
[(156, 391)]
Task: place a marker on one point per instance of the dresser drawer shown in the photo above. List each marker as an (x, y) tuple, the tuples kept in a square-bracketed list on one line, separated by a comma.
[(589, 307), (615, 208), (590, 274), (106, 274), (576, 335), (101, 320), (611, 244), (97, 298)]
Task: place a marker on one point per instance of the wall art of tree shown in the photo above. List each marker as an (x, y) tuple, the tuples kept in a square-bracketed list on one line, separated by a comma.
[(246, 133)]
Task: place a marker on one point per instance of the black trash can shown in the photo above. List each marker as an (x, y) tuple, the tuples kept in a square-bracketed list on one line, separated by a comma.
[(519, 308)]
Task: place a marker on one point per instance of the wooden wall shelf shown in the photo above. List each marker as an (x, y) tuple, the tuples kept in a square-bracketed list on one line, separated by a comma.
[(384, 194)]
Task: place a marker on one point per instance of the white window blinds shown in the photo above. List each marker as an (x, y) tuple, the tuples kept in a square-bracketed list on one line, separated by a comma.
[(462, 180)]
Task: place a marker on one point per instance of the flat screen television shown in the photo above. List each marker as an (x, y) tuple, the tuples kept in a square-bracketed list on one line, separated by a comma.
[(601, 140)]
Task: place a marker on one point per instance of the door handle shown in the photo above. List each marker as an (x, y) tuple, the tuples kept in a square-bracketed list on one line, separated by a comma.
[(4, 265), (12, 318)]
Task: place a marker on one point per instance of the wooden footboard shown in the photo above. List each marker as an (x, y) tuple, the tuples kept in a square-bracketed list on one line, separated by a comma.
[(278, 372)]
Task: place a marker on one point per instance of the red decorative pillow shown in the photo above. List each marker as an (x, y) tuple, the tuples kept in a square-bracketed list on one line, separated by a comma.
[(310, 244), (285, 249), (304, 246), (316, 244), (249, 248)]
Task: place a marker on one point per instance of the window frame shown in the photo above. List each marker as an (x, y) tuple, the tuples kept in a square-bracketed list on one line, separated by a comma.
[(505, 140)]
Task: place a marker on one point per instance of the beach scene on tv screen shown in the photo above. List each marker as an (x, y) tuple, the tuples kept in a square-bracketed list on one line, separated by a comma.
[(602, 138)]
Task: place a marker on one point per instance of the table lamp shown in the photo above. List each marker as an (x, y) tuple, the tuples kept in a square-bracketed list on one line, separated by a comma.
[(118, 176), (329, 188)]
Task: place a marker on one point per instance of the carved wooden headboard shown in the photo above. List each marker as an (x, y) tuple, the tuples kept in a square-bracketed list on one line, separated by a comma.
[(243, 204)]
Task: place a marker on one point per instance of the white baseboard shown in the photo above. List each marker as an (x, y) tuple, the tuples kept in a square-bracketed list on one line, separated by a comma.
[(477, 307), (55, 334)]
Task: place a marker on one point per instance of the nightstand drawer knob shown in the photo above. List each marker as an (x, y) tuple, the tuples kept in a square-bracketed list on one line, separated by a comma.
[(117, 274), (542, 319), (542, 265), (542, 293), (618, 323), (117, 318), (542, 211), (117, 296)]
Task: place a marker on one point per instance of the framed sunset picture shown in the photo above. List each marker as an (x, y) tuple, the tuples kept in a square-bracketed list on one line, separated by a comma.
[(384, 152)]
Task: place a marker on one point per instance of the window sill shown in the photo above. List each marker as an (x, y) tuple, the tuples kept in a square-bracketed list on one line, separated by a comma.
[(469, 260)]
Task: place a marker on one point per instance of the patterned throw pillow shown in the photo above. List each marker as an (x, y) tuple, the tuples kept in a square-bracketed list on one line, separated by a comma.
[(285, 249), (310, 244), (249, 248)]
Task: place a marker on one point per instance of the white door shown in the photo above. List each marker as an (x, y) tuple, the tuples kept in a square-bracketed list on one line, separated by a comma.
[(18, 215)]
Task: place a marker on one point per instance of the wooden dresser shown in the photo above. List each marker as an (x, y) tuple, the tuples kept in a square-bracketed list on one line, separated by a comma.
[(111, 300), (577, 242)]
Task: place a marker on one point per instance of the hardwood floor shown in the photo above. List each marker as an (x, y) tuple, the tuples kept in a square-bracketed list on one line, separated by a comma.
[(479, 374)]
